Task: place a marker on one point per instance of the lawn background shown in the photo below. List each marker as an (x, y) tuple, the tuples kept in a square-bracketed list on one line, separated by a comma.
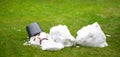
[(15, 15)]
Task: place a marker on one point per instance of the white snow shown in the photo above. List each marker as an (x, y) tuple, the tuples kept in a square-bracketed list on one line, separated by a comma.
[(91, 35), (50, 45), (61, 34)]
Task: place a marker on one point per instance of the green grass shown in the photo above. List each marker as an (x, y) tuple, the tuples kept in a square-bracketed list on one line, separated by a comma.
[(16, 15)]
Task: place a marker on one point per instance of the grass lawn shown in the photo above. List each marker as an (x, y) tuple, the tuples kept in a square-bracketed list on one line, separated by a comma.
[(15, 15)]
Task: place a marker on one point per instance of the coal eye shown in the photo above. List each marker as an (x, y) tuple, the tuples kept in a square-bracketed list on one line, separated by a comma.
[(34, 39)]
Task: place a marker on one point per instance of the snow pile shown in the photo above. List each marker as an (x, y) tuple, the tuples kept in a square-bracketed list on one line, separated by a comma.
[(61, 34), (91, 35), (60, 37)]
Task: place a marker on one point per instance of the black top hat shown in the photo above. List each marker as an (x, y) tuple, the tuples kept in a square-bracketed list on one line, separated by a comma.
[(33, 29)]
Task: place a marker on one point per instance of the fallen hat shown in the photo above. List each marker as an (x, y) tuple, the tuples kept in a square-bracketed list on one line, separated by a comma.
[(33, 29)]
